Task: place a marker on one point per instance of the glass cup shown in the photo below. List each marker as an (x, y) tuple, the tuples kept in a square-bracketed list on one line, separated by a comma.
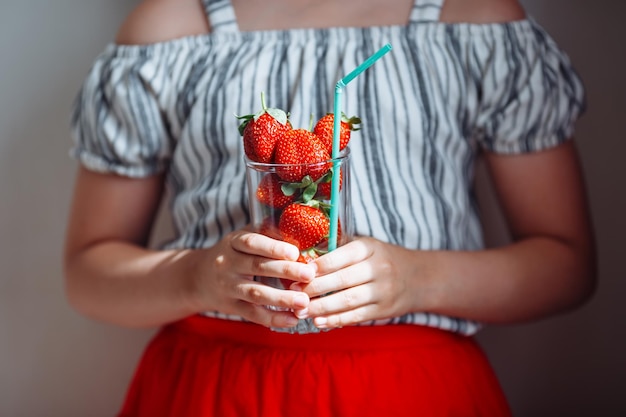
[(292, 202)]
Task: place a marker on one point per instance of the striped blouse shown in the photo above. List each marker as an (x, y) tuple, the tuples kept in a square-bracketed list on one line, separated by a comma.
[(444, 93)]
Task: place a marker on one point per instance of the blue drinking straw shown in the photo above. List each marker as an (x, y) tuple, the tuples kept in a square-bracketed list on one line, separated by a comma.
[(334, 186)]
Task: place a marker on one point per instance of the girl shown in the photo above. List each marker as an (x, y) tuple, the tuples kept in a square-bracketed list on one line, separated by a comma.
[(466, 79)]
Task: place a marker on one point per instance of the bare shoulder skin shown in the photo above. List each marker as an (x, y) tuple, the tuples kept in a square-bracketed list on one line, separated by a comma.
[(162, 20), (482, 11)]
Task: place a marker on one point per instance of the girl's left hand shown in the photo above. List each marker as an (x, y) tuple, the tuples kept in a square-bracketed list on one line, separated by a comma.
[(366, 279)]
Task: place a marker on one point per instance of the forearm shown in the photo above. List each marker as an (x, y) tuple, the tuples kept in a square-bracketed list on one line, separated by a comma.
[(127, 285), (530, 279)]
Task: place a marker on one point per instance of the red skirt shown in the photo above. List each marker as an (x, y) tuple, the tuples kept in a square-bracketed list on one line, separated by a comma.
[(209, 367)]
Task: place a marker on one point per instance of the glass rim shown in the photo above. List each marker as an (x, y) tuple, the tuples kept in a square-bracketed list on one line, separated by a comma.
[(343, 156)]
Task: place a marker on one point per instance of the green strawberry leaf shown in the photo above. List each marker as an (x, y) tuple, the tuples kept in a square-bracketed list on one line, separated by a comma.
[(351, 121), (317, 251), (290, 188), (306, 181), (309, 192), (354, 123), (326, 177), (246, 119), (279, 115), (325, 207)]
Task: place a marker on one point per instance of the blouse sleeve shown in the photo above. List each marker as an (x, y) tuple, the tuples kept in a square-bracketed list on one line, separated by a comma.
[(532, 96), (119, 122)]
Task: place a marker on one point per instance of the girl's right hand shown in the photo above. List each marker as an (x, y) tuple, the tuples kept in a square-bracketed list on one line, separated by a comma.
[(112, 275), (222, 278)]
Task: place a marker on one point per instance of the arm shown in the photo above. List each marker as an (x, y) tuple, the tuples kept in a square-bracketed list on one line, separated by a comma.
[(549, 267), (110, 273), (112, 276)]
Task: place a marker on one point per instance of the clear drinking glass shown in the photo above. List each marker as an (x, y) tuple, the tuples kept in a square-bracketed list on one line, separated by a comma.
[(274, 189)]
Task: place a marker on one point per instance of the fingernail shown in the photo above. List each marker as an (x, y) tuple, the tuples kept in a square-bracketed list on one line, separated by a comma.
[(320, 322), (292, 253), (308, 273), (296, 287), (301, 300), (302, 314)]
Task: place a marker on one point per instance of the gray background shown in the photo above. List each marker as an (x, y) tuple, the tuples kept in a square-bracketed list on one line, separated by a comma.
[(54, 362)]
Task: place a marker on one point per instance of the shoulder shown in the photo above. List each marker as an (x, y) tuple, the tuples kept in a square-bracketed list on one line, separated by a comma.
[(482, 11), (162, 20)]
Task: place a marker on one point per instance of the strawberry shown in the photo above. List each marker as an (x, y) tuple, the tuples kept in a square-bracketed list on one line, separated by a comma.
[(324, 187), (324, 130), (322, 246), (303, 226), (269, 228), (300, 146), (286, 283), (261, 132), (269, 192)]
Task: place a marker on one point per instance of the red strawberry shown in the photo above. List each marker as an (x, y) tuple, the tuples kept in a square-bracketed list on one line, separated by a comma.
[(286, 283), (324, 130), (324, 188), (322, 246), (303, 226), (300, 146), (269, 228), (269, 192), (261, 132)]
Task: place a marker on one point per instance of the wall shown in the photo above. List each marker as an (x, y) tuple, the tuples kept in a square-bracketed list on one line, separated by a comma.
[(573, 365), (54, 362)]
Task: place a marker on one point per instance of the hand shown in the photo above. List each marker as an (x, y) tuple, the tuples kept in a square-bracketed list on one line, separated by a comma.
[(366, 279), (223, 278)]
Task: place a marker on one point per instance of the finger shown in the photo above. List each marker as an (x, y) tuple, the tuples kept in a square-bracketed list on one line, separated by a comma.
[(260, 266), (260, 294), (267, 317), (350, 253), (347, 300), (348, 318), (261, 245), (342, 279)]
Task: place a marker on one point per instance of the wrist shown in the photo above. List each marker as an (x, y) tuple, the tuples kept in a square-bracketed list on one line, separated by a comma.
[(428, 280), (187, 267)]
